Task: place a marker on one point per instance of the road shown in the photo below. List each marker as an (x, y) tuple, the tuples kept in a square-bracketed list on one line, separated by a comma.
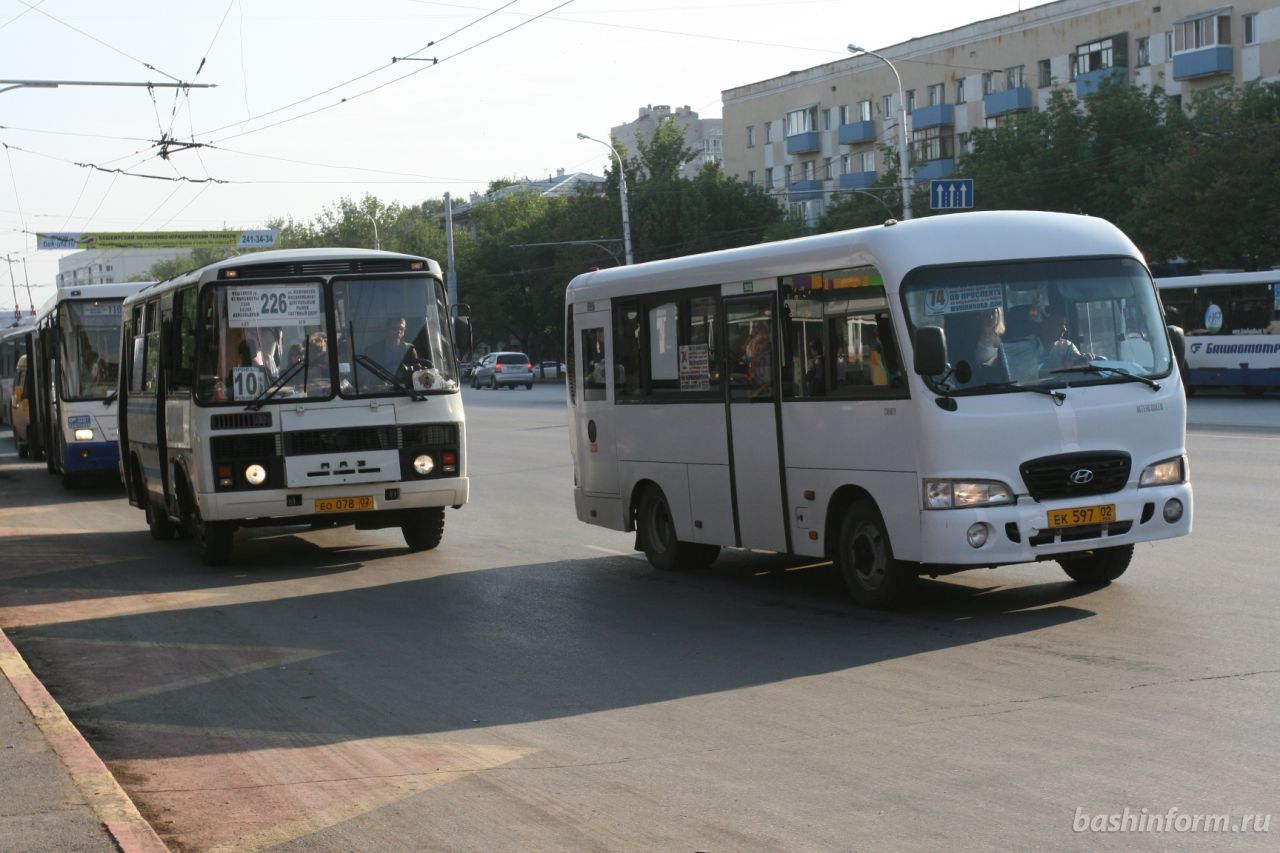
[(533, 685)]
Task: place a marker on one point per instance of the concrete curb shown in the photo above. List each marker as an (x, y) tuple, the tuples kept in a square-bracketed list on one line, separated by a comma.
[(90, 776)]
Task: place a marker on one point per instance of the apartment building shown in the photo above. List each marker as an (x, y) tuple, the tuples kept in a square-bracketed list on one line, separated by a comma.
[(108, 266), (703, 135), (810, 135)]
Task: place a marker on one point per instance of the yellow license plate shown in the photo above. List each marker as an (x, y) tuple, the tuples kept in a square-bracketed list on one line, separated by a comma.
[(1082, 515), (345, 504)]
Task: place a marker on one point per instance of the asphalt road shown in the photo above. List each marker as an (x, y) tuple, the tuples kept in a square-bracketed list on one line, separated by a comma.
[(533, 685)]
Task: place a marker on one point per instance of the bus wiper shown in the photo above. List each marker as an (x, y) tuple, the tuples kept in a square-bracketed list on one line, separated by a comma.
[(387, 376), (1057, 396), (274, 388), (111, 398), (1102, 369)]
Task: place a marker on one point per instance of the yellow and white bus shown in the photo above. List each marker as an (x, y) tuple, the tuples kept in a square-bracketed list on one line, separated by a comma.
[(287, 387), (840, 397)]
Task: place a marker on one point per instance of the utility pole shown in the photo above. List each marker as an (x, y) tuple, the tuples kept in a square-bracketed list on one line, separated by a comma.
[(451, 277)]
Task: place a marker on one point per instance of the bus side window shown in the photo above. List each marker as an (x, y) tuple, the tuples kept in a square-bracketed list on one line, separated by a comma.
[(626, 349), (594, 366), (184, 349), (151, 375), (138, 352)]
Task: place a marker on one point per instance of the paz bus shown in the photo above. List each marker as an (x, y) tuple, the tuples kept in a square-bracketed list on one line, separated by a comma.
[(13, 345), (73, 362), (1232, 323), (313, 386), (916, 398)]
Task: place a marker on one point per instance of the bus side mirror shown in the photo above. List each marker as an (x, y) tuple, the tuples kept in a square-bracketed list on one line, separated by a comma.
[(1178, 341), (930, 351), (462, 335)]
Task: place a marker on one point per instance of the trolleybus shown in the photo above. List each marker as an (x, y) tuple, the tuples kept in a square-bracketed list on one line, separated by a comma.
[(13, 345), (840, 397), (1232, 323), (73, 363), (293, 387)]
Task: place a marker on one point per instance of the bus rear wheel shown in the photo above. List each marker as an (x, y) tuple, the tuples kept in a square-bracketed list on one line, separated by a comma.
[(1099, 568), (422, 528), (658, 536), (158, 523), (873, 577)]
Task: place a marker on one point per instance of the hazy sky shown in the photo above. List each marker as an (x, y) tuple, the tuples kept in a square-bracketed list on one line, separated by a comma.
[(514, 82)]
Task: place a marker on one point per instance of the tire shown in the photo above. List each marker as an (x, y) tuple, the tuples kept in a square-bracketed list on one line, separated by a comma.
[(1099, 568), (422, 528), (873, 576), (159, 524), (658, 533), (213, 538)]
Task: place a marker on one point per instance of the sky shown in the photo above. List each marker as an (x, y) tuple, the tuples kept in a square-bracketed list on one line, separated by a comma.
[(309, 107)]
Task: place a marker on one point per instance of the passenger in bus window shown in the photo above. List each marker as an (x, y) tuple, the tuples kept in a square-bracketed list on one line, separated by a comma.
[(815, 378), (391, 351), (317, 358), (758, 358), (1058, 352), (986, 351)]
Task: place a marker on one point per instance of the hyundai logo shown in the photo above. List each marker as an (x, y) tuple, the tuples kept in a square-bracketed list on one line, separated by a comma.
[(1081, 476)]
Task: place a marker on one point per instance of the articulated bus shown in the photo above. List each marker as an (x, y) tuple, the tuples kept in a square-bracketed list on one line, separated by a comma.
[(293, 387), (1232, 323), (917, 398), (73, 363)]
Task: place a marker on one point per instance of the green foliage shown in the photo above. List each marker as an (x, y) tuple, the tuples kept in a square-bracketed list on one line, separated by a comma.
[(196, 258)]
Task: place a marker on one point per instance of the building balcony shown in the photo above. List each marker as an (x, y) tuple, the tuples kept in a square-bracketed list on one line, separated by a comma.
[(933, 169), (857, 133), (1091, 81), (1008, 101), (804, 143), (857, 180), (804, 190), (938, 115), (1205, 62)]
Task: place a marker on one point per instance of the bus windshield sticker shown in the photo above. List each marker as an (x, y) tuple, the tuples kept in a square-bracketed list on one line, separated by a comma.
[(955, 300), (695, 367), (247, 382), (277, 305), (103, 309)]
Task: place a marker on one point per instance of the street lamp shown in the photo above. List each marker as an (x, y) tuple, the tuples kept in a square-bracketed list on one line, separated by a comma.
[(377, 244), (622, 190), (903, 131)]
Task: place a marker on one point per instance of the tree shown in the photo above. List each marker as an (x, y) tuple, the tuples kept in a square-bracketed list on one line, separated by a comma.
[(196, 258)]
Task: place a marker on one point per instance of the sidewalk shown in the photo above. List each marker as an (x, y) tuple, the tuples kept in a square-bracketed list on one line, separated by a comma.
[(55, 793)]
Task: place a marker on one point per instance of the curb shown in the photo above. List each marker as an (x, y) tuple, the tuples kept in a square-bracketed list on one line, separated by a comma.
[(91, 777)]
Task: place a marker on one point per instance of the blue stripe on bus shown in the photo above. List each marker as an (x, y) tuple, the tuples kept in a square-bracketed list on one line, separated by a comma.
[(102, 456)]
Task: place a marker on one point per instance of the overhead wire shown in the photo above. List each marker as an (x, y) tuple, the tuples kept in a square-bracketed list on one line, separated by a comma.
[(91, 37)]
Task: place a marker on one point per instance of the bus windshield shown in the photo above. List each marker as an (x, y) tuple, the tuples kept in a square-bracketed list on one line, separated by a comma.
[(1041, 324), (392, 336), (89, 337)]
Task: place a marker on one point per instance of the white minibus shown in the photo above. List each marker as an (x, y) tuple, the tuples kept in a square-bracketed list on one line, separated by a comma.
[(314, 386), (916, 398)]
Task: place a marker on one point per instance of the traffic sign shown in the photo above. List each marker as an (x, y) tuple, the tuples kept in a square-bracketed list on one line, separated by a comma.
[(950, 193)]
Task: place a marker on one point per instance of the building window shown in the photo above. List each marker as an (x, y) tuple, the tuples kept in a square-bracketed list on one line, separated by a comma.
[(988, 83), (887, 108), (808, 168), (802, 121), (932, 143), (1208, 31), (844, 114), (1095, 56), (786, 175), (1250, 28), (960, 95), (911, 100), (1144, 53), (864, 110), (964, 142), (751, 176), (868, 163), (1168, 46), (751, 136), (768, 132), (768, 178), (846, 164), (1013, 77), (937, 94), (1045, 73)]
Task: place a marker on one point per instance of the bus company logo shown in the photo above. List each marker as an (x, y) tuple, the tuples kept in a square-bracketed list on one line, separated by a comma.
[(1196, 347), (1239, 349), (1081, 477)]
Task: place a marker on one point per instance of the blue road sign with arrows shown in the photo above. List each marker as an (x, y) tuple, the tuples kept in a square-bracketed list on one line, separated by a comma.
[(949, 193)]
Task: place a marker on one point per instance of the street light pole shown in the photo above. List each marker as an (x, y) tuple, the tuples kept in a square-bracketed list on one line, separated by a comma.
[(622, 191), (903, 131), (377, 244)]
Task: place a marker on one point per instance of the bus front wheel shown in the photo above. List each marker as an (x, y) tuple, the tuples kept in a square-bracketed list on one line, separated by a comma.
[(1099, 568), (422, 528), (213, 539), (658, 537), (158, 523), (874, 578)]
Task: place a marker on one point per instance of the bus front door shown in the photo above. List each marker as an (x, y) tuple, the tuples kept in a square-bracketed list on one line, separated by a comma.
[(754, 412), (596, 444)]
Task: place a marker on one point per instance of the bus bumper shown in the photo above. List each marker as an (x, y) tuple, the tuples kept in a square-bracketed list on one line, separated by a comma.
[(83, 457), (1020, 534), (289, 506)]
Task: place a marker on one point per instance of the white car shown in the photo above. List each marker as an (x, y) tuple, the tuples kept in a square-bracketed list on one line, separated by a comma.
[(503, 370)]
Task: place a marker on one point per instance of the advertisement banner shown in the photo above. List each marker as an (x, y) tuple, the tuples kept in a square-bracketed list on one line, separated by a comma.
[(259, 239)]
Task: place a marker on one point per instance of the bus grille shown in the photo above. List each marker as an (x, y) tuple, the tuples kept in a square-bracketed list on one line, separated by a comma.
[(417, 435), (252, 446), (323, 267), (1057, 477), (353, 440), (241, 420)]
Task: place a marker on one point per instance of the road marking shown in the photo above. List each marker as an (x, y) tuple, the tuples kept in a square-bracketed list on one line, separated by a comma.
[(611, 552)]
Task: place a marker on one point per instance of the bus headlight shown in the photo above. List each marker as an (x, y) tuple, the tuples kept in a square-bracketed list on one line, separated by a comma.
[(424, 464), (84, 435), (958, 494), (256, 475), (1163, 473)]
